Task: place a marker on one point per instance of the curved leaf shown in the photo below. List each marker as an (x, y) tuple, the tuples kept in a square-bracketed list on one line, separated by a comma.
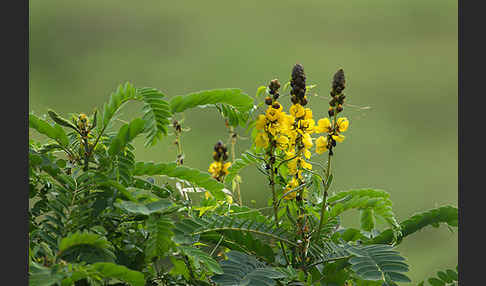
[(242, 269), (160, 239), (125, 135), (52, 131), (157, 114), (122, 94), (144, 209), (232, 96), (86, 246), (193, 176), (200, 257), (364, 199), (244, 161), (378, 262), (433, 217), (120, 272)]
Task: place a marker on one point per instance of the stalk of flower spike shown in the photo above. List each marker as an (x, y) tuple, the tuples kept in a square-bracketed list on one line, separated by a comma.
[(233, 137), (180, 155), (333, 129)]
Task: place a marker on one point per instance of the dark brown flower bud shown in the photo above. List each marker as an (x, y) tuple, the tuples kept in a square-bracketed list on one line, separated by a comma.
[(330, 111), (225, 156), (332, 102), (273, 86), (303, 101), (268, 100), (276, 95), (294, 99), (298, 81), (276, 105), (338, 82), (339, 108)]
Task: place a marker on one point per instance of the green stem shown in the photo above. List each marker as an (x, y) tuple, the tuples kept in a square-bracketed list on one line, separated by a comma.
[(326, 184), (233, 155)]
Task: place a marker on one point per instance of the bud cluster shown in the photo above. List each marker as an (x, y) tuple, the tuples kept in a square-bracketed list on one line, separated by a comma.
[(337, 100), (273, 90), (220, 152), (219, 168), (298, 85)]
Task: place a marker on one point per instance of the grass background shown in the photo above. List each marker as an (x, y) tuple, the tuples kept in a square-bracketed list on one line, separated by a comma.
[(400, 58)]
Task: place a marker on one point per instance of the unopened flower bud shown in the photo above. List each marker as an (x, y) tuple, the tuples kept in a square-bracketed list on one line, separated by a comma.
[(268, 100)]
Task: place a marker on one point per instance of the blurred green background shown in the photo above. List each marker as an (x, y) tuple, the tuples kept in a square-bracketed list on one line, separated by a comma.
[(400, 58)]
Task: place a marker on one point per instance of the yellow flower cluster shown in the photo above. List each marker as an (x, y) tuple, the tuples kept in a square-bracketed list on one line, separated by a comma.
[(219, 169), (323, 143), (291, 133)]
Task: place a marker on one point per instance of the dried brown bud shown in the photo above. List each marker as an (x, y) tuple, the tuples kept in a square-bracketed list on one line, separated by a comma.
[(276, 105)]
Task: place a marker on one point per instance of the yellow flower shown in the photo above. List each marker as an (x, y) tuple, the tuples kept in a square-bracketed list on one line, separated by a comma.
[(306, 126), (225, 167), (260, 124), (307, 140), (297, 110), (307, 153), (305, 165), (215, 168), (272, 114), (339, 138), (294, 183), (323, 125), (308, 113), (343, 124), (321, 145), (292, 165), (282, 140), (262, 140)]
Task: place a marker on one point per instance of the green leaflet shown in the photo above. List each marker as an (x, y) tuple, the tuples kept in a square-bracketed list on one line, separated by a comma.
[(125, 135), (367, 219), (144, 209), (44, 276), (200, 257), (122, 94), (156, 114), (86, 246), (232, 96), (242, 269), (364, 199), (160, 238), (193, 176), (244, 161), (55, 131), (378, 262), (433, 217)]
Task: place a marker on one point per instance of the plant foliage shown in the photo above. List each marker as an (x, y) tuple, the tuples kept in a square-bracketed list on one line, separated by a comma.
[(97, 216)]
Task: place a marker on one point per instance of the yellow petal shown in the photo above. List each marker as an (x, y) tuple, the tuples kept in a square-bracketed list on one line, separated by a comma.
[(339, 138), (323, 125), (343, 124)]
